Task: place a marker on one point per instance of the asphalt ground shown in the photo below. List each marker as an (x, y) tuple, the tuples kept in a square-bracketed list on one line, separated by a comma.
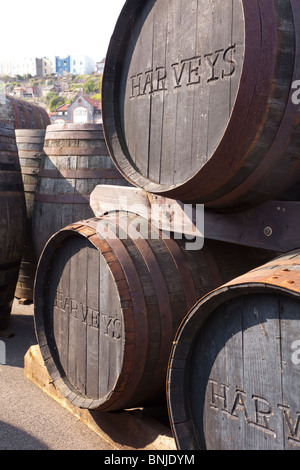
[(29, 418)]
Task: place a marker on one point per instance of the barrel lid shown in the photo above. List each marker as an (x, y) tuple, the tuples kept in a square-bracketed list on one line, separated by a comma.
[(170, 82), (239, 335)]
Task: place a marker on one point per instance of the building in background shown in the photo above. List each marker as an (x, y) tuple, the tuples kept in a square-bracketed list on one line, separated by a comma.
[(99, 67), (48, 66), (62, 66), (40, 67), (81, 65), (82, 110)]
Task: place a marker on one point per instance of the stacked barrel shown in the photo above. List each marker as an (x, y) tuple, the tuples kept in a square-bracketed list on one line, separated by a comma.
[(14, 114), (197, 106)]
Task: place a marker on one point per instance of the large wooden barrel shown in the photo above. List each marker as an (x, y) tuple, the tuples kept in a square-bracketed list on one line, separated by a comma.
[(234, 373), (76, 160), (14, 114), (198, 99), (12, 220), (30, 143), (22, 114), (110, 294)]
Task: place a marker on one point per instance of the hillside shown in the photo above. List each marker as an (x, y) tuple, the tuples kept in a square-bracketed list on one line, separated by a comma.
[(52, 91)]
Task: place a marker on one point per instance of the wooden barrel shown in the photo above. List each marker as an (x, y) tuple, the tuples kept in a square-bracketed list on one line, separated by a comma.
[(12, 220), (234, 372), (14, 114), (76, 161), (22, 114), (198, 99), (110, 294), (30, 143)]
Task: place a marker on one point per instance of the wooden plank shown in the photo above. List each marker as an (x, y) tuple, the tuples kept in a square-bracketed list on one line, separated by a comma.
[(290, 370), (92, 339), (111, 334)]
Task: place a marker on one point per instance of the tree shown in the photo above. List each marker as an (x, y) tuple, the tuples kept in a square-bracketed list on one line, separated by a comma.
[(92, 86), (50, 96), (55, 103)]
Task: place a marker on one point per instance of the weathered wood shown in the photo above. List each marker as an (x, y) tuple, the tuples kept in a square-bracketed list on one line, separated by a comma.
[(76, 160), (22, 114), (110, 294), (30, 143), (12, 220), (197, 99), (164, 213), (14, 114), (270, 226), (233, 379)]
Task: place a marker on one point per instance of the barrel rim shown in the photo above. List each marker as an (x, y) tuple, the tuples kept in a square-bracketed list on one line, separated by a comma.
[(53, 366), (59, 379), (227, 188), (112, 127), (187, 333)]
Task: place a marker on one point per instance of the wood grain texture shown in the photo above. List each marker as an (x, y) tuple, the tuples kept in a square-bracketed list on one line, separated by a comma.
[(75, 161), (12, 220), (30, 144), (110, 294), (234, 368), (197, 99)]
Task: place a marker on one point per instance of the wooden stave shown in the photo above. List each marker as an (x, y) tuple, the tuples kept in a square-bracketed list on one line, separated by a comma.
[(134, 386), (12, 230), (24, 115), (225, 184), (79, 142), (277, 278), (30, 143), (14, 114)]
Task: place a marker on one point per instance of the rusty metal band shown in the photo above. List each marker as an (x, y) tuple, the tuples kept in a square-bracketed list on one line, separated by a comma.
[(212, 266), (28, 116), (278, 149), (39, 123), (16, 111), (63, 198), (182, 267), (184, 272), (104, 173), (76, 151), (161, 290), (137, 359), (243, 126)]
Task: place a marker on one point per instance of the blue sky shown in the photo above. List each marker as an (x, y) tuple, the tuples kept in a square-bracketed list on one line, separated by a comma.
[(33, 28)]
